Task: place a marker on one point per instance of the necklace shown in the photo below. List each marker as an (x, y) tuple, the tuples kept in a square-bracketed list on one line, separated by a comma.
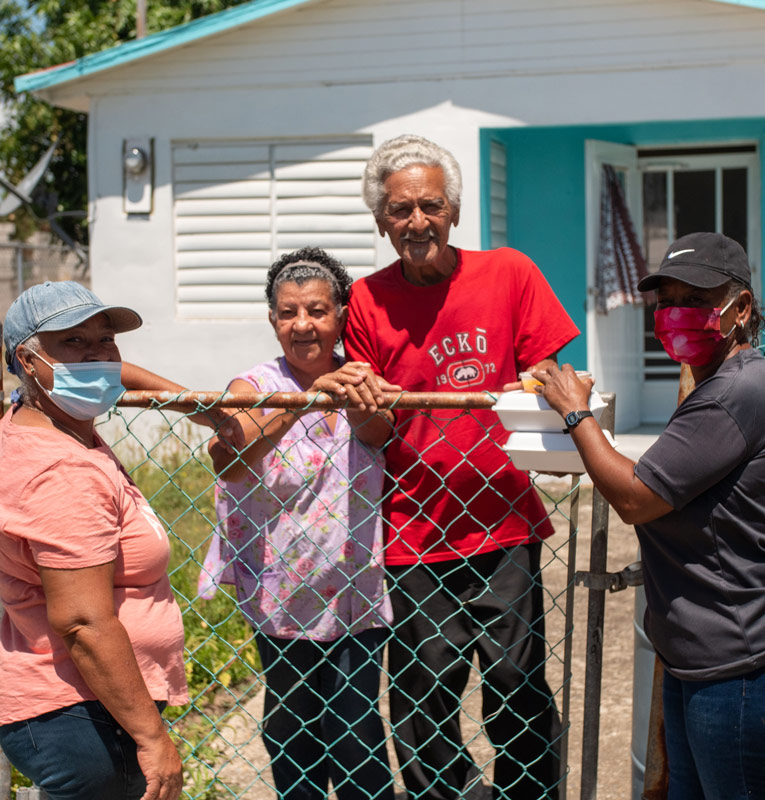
[(59, 425)]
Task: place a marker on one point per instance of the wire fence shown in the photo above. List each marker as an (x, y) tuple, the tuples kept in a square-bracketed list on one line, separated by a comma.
[(323, 663), (23, 264)]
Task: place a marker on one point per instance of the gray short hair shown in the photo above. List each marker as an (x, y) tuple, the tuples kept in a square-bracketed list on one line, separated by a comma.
[(402, 152)]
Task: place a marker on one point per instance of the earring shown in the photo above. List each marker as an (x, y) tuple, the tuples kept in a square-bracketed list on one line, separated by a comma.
[(741, 325), (33, 371)]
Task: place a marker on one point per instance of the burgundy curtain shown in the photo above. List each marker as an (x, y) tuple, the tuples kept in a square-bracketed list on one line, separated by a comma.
[(620, 264)]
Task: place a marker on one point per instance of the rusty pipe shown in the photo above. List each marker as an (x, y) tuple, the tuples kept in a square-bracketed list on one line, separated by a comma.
[(183, 401)]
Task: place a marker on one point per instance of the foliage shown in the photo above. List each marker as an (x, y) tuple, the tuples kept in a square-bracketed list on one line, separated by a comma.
[(18, 781), (36, 34), (221, 659)]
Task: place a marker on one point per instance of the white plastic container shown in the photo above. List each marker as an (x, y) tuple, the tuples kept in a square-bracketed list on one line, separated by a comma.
[(546, 451), (525, 411)]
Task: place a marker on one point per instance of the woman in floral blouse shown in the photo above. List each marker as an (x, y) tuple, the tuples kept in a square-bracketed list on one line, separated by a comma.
[(299, 509)]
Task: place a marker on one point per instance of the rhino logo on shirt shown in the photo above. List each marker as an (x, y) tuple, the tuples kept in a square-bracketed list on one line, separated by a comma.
[(464, 374)]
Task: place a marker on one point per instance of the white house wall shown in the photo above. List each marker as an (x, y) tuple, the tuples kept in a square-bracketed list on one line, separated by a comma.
[(361, 42), (341, 67)]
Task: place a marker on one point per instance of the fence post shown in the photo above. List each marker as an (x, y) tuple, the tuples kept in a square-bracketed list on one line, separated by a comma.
[(595, 618), (20, 268), (5, 777), (573, 527)]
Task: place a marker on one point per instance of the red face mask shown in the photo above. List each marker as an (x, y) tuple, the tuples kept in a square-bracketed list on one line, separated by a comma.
[(691, 335)]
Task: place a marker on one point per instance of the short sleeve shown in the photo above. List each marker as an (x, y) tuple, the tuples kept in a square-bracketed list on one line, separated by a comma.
[(73, 518), (356, 340), (264, 377), (699, 447), (543, 326), (251, 378)]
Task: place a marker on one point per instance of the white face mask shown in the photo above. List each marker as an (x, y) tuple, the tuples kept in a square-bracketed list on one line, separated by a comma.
[(84, 389)]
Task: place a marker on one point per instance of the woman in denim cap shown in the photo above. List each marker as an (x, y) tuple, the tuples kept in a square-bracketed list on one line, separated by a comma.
[(299, 508), (697, 500), (91, 644)]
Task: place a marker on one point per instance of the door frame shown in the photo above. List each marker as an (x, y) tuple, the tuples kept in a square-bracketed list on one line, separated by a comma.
[(653, 392), (619, 328)]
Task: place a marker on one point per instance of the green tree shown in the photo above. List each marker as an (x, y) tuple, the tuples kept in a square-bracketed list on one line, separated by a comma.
[(35, 34)]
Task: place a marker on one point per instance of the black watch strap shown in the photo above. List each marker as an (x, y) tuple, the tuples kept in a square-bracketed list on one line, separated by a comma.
[(574, 418)]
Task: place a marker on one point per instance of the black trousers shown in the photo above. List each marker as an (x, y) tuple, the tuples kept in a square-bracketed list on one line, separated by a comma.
[(443, 614)]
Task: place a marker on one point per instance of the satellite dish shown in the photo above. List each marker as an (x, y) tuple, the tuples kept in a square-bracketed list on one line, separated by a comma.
[(21, 193)]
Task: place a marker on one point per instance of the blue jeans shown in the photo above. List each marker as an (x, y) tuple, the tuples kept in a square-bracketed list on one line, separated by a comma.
[(715, 734), (321, 718), (76, 753)]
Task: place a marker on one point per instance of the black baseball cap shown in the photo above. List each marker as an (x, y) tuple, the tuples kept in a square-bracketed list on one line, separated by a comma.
[(702, 259)]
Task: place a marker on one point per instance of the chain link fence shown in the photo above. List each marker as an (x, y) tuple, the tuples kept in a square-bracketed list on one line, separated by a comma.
[(274, 570), (23, 264)]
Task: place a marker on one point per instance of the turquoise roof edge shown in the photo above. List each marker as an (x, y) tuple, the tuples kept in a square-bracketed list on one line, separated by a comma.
[(152, 44), (750, 3)]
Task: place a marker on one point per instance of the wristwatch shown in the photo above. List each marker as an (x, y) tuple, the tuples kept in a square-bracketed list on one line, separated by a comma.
[(573, 418)]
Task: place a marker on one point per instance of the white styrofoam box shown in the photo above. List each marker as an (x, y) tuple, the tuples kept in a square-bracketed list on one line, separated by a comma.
[(546, 451), (526, 411)]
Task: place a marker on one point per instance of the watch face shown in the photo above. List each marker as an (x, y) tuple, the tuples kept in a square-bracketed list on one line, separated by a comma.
[(572, 418)]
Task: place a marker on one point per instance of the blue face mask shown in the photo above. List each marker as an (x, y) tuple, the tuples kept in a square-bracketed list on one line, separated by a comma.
[(84, 389)]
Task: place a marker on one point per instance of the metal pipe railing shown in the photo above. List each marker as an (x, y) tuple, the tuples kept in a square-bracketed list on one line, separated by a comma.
[(183, 401)]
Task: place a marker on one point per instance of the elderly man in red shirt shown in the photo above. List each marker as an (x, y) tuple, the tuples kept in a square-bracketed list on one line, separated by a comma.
[(464, 528)]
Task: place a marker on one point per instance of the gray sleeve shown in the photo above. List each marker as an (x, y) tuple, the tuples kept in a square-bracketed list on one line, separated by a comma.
[(699, 447)]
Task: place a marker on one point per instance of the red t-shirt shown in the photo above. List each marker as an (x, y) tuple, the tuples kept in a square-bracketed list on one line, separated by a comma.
[(455, 492)]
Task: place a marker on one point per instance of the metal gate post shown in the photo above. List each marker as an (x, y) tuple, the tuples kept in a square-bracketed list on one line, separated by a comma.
[(20, 269), (595, 618), (573, 527), (5, 777)]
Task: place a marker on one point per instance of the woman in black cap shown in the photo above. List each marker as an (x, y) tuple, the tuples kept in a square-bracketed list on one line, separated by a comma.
[(697, 500)]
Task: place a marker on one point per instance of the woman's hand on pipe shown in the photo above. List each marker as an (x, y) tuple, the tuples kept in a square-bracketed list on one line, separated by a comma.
[(356, 382)]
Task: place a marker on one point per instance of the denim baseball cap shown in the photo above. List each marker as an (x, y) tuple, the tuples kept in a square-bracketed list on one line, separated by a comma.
[(56, 306), (702, 259)]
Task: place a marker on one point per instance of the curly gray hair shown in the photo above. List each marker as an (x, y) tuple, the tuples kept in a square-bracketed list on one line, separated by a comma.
[(402, 152)]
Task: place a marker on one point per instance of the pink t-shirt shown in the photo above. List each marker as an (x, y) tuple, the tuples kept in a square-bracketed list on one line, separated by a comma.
[(65, 506)]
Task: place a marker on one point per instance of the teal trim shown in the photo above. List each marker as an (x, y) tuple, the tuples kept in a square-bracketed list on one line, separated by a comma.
[(486, 138), (153, 44), (546, 215), (750, 3), (484, 146)]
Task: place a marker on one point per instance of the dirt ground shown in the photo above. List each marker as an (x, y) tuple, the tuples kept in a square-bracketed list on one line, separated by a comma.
[(244, 760)]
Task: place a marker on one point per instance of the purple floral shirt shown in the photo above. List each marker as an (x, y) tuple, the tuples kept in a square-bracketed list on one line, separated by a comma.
[(304, 530)]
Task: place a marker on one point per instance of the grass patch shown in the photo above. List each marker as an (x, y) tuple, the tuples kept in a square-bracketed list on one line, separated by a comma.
[(220, 654)]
